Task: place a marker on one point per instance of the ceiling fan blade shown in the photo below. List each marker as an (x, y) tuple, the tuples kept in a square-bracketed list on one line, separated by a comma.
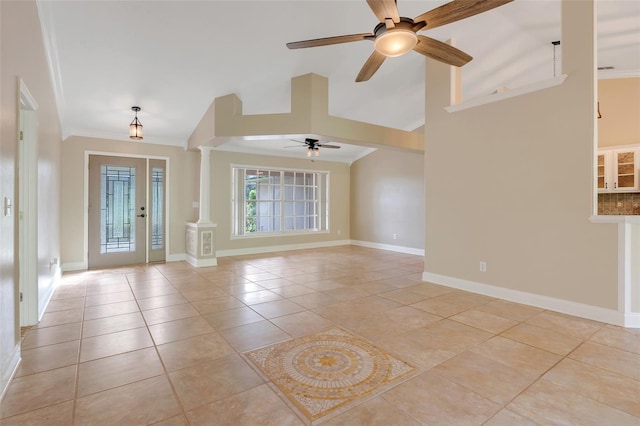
[(440, 51), (371, 66), (329, 40), (457, 10), (384, 9), (328, 146), (294, 146)]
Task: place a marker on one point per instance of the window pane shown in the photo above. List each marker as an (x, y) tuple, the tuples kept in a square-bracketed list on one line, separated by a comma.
[(311, 193), (288, 177), (299, 193), (250, 213), (288, 192), (312, 224), (288, 209), (288, 224)]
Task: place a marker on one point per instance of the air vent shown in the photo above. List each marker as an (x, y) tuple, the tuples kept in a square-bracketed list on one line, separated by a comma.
[(604, 68)]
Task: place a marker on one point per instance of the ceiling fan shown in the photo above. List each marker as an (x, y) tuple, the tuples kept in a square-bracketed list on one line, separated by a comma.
[(395, 35), (313, 146)]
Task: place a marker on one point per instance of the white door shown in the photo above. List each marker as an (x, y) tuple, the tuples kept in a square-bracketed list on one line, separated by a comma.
[(126, 211)]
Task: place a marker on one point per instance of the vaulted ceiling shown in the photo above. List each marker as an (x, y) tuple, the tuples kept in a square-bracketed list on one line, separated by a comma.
[(173, 58)]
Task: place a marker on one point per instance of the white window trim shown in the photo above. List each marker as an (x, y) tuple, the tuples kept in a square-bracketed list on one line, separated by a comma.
[(323, 205)]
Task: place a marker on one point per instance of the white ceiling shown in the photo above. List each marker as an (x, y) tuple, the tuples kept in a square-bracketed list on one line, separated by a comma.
[(173, 58)]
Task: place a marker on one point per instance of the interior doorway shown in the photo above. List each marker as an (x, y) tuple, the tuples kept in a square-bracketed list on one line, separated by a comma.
[(126, 211), (27, 221)]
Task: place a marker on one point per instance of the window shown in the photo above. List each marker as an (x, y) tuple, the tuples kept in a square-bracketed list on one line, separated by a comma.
[(279, 201)]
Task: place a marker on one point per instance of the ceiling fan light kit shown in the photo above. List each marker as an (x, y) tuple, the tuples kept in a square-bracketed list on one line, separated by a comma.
[(135, 128), (394, 42), (313, 146), (396, 35)]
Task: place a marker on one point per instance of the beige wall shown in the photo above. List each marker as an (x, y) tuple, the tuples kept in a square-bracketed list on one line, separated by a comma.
[(511, 183), (22, 55), (221, 199), (387, 197), (183, 190), (620, 108)]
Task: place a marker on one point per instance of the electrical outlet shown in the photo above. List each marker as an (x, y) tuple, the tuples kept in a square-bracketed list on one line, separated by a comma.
[(483, 266), (395, 236), (339, 232)]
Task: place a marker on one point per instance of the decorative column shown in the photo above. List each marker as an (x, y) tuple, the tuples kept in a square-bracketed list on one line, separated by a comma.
[(200, 239), (205, 184)]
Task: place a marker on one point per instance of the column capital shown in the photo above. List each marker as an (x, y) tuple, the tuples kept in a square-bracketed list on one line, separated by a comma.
[(205, 149)]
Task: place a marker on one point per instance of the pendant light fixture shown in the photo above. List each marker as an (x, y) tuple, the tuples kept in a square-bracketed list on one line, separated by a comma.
[(135, 128), (555, 44)]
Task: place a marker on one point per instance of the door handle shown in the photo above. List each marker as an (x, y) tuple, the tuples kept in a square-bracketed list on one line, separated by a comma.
[(142, 215)]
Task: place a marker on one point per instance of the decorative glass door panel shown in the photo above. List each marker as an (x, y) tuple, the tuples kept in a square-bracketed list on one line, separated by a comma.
[(117, 211), (157, 190)]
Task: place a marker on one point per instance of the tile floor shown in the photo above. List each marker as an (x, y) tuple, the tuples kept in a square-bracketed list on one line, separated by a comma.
[(160, 344)]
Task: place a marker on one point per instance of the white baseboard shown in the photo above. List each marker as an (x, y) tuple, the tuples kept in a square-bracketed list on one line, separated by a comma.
[(8, 370), (81, 266), (176, 257), (42, 304), (74, 266), (200, 263), (632, 320), (389, 247), (568, 307), (285, 247)]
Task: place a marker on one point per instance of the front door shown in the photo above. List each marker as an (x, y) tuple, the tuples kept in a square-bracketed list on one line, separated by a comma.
[(123, 229)]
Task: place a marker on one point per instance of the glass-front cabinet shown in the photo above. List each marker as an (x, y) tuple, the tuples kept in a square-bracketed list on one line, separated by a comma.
[(603, 169), (618, 170)]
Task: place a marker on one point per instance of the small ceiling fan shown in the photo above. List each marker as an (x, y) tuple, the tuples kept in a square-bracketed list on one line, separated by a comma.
[(395, 35), (313, 146)]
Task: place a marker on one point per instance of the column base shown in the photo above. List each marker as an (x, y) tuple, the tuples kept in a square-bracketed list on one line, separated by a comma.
[(200, 244)]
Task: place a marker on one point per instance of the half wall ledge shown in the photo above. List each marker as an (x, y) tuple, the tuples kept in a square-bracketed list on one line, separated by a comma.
[(499, 96)]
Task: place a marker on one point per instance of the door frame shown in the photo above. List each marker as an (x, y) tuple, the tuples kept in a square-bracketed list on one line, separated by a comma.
[(87, 153), (26, 218)]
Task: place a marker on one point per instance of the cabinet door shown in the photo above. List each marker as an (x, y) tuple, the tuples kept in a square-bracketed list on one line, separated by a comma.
[(603, 170), (625, 170)]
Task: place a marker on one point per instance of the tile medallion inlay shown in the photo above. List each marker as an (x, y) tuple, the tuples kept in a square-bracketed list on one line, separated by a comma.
[(322, 372)]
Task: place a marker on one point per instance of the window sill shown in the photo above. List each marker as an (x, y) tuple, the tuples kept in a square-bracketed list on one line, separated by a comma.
[(277, 235)]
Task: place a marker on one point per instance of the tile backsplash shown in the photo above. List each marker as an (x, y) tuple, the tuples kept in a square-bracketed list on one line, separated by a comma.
[(620, 204)]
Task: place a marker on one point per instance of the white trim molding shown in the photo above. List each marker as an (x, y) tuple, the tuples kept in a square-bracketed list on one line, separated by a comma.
[(176, 257), (285, 247), (628, 266), (74, 266), (568, 307), (8, 370), (199, 263), (389, 247)]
